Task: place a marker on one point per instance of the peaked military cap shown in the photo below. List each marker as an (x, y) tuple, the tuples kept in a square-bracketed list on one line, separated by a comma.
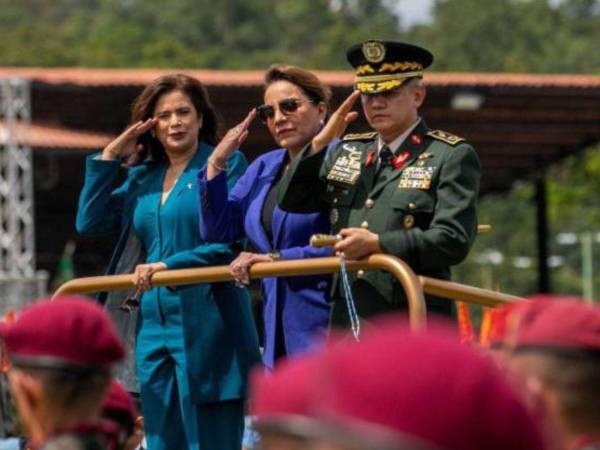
[(384, 65)]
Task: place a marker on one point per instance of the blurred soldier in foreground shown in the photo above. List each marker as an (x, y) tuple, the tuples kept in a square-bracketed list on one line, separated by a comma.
[(61, 354), (396, 390), (404, 189), (119, 408), (282, 404), (556, 356)]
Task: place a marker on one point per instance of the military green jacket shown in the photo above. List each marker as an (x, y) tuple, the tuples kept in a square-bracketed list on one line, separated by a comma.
[(424, 209)]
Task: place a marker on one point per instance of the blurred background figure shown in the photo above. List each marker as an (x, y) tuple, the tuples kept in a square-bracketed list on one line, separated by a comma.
[(61, 354), (296, 309), (556, 358), (194, 346)]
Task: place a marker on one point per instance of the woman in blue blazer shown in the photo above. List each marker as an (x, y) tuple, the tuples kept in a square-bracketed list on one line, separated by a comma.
[(296, 309), (194, 345)]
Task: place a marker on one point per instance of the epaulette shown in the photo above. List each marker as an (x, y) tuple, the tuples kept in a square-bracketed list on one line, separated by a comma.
[(443, 136), (360, 136)]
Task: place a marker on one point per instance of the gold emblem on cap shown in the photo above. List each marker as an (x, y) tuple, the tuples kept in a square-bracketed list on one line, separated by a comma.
[(374, 51)]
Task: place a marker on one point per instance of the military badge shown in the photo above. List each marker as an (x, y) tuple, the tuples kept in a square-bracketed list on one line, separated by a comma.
[(399, 161), (370, 158), (416, 178), (448, 138), (334, 216), (374, 51), (346, 168), (415, 139), (422, 158)]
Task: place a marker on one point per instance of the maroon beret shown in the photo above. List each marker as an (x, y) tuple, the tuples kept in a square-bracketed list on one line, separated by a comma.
[(397, 388), (68, 331), (560, 324), (282, 399), (118, 399)]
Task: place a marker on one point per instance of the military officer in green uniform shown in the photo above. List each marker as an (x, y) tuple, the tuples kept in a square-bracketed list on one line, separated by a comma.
[(403, 189)]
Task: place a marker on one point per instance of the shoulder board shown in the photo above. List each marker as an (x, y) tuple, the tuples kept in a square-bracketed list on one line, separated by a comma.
[(443, 136), (360, 136)]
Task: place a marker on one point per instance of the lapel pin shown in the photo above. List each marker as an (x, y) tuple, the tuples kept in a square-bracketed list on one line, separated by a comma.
[(401, 159), (370, 158), (415, 139)]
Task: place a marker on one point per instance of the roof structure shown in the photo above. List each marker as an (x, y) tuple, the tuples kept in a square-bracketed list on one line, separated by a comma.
[(518, 123)]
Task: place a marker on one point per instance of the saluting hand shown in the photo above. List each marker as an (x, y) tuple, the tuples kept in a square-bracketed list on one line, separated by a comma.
[(232, 140), (357, 243), (337, 123), (124, 146)]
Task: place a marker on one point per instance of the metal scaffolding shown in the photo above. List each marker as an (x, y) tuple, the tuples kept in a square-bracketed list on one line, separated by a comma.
[(19, 281)]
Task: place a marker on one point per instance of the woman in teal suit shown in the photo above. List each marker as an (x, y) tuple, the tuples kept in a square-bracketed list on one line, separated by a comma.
[(194, 345)]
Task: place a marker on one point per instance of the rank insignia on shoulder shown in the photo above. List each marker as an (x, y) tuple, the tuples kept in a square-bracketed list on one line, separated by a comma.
[(360, 136), (443, 136)]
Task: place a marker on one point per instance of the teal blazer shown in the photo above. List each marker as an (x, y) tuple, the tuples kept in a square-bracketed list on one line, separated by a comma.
[(220, 337)]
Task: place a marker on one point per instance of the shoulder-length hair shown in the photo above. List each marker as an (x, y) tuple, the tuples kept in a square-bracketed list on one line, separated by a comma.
[(143, 109)]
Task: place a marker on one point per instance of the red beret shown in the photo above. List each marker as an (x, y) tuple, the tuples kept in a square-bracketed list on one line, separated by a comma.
[(69, 331), (283, 398), (118, 399), (398, 388), (563, 324)]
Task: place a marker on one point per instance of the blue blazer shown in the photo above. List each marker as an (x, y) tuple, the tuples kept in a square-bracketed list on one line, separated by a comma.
[(220, 337), (229, 216)]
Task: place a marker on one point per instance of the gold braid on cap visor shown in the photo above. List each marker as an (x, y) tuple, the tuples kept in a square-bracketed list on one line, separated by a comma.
[(388, 67)]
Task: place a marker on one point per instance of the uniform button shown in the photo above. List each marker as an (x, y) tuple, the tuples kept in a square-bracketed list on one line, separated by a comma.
[(369, 203), (360, 274), (335, 200), (411, 205), (409, 221), (365, 225)]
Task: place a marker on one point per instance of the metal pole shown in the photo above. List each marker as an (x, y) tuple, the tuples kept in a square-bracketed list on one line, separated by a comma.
[(587, 273), (544, 283)]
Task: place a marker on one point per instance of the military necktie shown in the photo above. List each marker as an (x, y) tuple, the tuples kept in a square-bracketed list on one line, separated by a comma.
[(385, 157)]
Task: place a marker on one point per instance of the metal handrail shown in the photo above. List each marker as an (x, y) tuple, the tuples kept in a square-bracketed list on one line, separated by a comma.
[(414, 285), (312, 266)]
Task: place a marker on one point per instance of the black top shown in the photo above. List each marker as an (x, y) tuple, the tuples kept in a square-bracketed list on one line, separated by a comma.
[(271, 202)]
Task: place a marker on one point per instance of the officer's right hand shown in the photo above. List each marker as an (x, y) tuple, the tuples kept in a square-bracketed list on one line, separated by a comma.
[(337, 123), (124, 146)]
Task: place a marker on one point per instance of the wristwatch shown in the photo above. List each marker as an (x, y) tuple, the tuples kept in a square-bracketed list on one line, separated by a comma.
[(275, 256)]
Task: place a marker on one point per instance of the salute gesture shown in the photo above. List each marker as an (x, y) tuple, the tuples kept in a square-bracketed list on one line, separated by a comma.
[(337, 124), (125, 146), (217, 162)]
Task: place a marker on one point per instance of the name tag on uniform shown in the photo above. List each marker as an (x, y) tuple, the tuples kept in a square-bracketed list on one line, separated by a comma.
[(346, 168), (416, 178)]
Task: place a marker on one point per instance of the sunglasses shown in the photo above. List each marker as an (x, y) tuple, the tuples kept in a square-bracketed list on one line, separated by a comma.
[(286, 106)]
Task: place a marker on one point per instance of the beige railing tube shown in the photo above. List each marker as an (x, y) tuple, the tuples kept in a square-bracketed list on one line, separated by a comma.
[(312, 266)]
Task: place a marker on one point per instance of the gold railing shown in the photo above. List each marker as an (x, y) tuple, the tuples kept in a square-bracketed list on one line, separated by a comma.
[(414, 285)]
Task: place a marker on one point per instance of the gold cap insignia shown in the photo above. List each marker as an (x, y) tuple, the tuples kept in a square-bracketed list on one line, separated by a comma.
[(374, 51)]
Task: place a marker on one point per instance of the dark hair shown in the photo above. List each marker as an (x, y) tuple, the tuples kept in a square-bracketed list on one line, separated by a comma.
[(71, 389), (143, 108), (312, 87)]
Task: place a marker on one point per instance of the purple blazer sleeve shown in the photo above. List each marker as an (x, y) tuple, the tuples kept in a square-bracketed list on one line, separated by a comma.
[(221, 212)]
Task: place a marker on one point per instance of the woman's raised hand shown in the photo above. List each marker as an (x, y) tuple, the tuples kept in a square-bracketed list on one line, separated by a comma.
[(337, 123), (217, 162), (124, 145)]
